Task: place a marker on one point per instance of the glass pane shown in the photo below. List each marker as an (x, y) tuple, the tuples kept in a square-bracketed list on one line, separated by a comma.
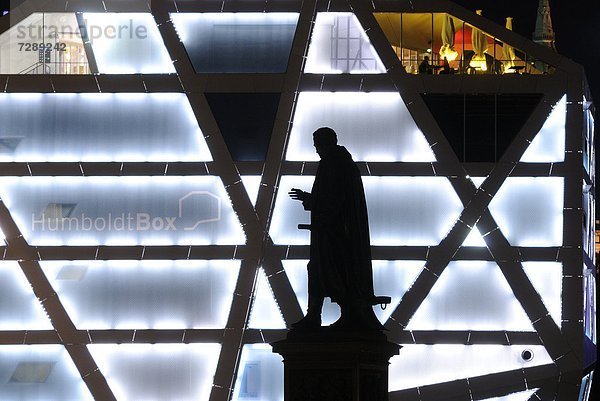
[(520, 396), (19, 307), (402, 210), (549, 144), (154, 210), (237, 42), (158, 372), (127, 43), (529, 210), (390, 278), (546, 277), (260, 376), (99, 127), (161, 294), (374, 126), (252, 185), (61, 50), (420, 365), (471, 295), (39, 373), (339, 45), (474, 238), (265, 313)]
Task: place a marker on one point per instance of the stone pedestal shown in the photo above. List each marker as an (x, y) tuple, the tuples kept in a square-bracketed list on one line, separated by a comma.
[(329, 365)]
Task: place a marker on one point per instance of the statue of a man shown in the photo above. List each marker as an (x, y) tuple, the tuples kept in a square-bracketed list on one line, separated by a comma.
[(340, 250)]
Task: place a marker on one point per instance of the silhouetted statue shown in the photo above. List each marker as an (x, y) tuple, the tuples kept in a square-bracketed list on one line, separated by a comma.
[(340, 250)]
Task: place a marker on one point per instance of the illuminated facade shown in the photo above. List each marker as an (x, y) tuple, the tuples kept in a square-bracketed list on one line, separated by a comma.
[(151, 248)]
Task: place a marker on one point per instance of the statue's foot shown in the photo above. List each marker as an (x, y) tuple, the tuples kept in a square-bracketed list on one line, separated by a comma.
[(358, 317), (310, 321)]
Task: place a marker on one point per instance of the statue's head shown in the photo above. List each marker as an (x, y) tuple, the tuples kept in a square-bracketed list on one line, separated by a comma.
[(324, 139)]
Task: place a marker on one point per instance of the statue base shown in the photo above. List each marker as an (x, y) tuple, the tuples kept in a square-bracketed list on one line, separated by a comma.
[(324, 364)]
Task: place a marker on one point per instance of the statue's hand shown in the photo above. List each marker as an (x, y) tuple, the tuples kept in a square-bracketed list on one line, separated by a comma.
[(298, 194)]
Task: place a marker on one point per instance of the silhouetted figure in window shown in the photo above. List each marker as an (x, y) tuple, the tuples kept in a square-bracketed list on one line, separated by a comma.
[(340, 249), (425, 67), (446, 67)]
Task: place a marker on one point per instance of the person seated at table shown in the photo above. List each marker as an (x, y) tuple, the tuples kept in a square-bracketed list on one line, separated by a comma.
[(446, 67), (424, 67)]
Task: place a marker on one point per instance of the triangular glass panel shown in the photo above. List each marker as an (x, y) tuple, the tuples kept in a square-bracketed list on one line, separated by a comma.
[(99, 127), (19, 307), (157, 210), (265, 313), (237, 42), (149, 294), (246, 122), (480, 127), (252, 184), (520, 396), (420, 365), (34, 372), (471, 295), (390, 278), (546, 278), (474, 238), (139, 51), (529, 210), (549, 143), (340, 45), (374, 126), (158, 371), (260, 375)]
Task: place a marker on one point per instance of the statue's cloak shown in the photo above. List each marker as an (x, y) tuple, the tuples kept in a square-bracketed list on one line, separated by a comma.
[(340, 249)]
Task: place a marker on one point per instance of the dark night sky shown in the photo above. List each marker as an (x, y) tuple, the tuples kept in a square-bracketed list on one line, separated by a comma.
[(576, 26)]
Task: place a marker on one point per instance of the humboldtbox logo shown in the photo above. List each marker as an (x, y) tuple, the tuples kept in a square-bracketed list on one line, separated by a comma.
[(194, 209)]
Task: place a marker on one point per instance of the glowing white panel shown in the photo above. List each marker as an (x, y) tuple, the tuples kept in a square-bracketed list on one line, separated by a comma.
[(420, 365), (529, 210), (520, 396), (19, 307), (265, 313), (546, 277), (127, 43), (474, 238), (549, 144), (339, 45), (158, 372), (155, 210), (471, 295), (402, 210), (40, 373), (390, 278), (373, 126), (61, 127), (252, 184), (260, 376), (161, 294)]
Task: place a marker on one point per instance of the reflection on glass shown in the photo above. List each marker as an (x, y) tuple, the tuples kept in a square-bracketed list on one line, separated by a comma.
[(420, 365), (40, 373), (127, 43), (156, 210), (157, 294), (468, 50), (471, 295), (44, 43), (338, 45), (237, 42), (374, 126), (260, 375), (158, 371), (63, 127)]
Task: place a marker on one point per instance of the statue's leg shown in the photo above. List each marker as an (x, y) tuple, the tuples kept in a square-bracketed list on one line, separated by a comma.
[(315, 302)]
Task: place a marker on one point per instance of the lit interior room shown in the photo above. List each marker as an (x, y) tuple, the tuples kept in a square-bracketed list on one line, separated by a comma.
[(150, 248)]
